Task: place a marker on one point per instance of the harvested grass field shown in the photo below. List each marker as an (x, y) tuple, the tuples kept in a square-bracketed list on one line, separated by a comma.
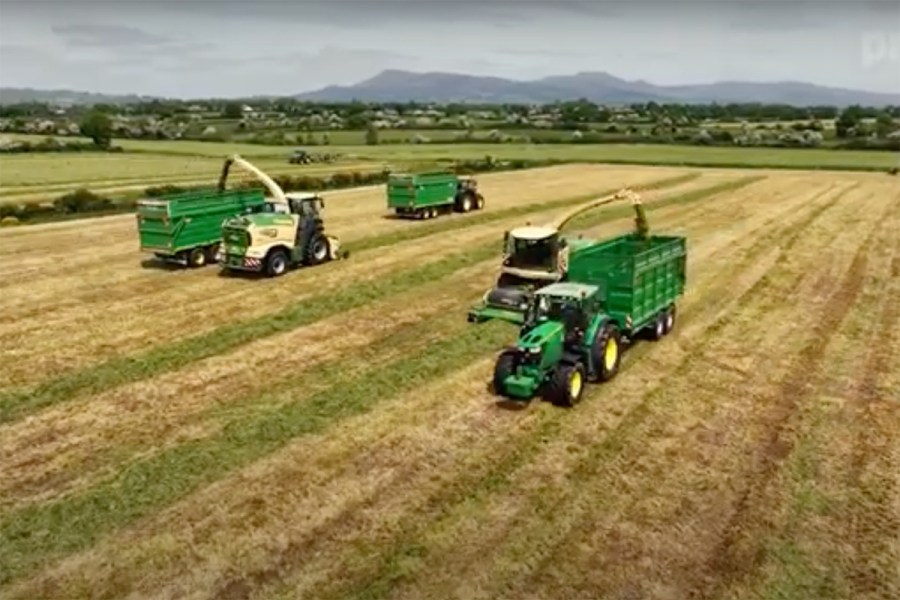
[(328, 434)]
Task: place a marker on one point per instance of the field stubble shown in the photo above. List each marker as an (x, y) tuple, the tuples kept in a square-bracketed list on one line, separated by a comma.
[(676, 479)]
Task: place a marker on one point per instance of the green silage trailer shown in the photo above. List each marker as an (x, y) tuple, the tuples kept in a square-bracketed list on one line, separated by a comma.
[(187, 227), (427, 195)]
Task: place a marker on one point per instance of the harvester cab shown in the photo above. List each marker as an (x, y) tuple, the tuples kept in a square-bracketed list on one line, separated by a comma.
[(534, 253), (289, 231)]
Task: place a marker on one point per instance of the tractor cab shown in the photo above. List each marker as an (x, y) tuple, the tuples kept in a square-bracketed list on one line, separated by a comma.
[(566, 303), (466, 184)]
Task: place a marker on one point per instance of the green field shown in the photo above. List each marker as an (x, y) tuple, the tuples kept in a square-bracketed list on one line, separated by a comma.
[(43, 176), (670, 154)]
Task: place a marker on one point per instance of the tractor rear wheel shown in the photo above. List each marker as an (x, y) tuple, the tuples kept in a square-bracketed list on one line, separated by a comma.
[(504, 367), (606, 352), (466, 204), (196, 258), (276, 263), (566, 385)]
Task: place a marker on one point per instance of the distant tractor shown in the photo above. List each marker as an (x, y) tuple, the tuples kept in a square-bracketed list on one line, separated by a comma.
[(288, 232), (602, 295), (427, 195), (300, 157)]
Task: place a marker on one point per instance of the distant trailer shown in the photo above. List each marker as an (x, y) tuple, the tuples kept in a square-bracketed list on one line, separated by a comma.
[(427, 195)]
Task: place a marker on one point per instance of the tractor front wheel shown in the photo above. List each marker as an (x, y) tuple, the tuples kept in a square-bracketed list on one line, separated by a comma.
[(318, 250), (566, 385), (606, 352), (479, 202), (505, 366), (276, 263)]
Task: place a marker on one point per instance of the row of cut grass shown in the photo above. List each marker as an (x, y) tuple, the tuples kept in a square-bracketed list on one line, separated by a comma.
[(17, 403), (34, 535), (37, 534)]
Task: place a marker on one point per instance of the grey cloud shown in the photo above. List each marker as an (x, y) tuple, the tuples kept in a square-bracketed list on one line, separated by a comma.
[(105, 36), (236, 47), (368, 13)]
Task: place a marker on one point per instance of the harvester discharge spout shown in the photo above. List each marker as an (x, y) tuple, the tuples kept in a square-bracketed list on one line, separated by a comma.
[(274, 189)]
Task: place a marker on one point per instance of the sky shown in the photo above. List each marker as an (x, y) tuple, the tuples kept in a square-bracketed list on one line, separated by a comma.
[(227, 48)]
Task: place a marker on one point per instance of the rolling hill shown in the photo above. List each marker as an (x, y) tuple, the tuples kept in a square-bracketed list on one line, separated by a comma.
[(400, 86)]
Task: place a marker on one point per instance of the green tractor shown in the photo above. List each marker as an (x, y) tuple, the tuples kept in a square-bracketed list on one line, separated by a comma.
[(566, 340)]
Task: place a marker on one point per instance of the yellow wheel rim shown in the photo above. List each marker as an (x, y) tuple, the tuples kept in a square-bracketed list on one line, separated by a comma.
[(575, 384), (610, 355)]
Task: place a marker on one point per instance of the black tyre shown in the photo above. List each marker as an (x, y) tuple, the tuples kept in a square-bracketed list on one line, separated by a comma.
[(196, 258), (465, 203), (276, 263), (657, 329), (503, 368), (479, 202), (211, 252), (669, 319), (606, 352), (566, 385), (318, 250)]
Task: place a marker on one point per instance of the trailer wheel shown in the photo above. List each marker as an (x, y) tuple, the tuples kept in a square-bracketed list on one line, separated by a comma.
[(504, 367), (566, 385), (669, 319), (657, 329), (211, 252), (276, 263), (196, 258), (606, 352)]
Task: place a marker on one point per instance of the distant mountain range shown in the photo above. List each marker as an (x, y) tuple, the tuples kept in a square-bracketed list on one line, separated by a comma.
[(11, 95), (401, 86)]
